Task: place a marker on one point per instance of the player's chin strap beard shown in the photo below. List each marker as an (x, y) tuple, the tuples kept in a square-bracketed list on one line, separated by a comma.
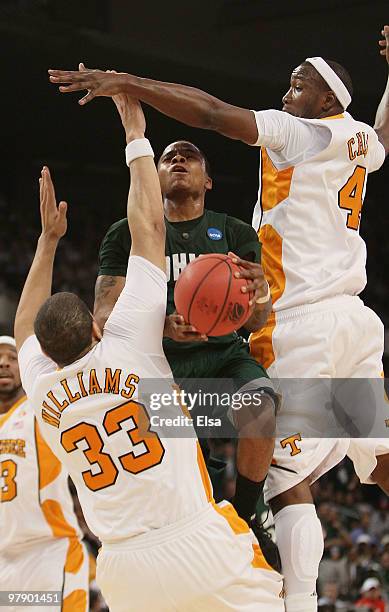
[(332, 79)]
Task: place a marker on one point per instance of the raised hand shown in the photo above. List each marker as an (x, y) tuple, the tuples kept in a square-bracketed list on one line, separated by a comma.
[(131, 114), (384, 44), (97, 82), (53, 218)]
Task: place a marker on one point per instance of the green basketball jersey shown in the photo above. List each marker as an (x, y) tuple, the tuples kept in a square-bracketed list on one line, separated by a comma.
[(185, 240)]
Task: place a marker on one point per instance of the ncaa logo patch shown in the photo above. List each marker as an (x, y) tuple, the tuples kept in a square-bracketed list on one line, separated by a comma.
[(214, 233)]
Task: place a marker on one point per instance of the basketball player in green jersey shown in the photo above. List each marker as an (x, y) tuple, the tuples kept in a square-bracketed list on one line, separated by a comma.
[(191, 230)]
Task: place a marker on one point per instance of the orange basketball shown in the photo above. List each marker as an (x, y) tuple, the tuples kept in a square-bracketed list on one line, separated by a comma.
[(209, 297)]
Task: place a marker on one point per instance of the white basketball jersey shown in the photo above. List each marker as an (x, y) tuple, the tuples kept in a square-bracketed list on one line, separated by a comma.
[(130, 476), (35, 502), (312, 183)]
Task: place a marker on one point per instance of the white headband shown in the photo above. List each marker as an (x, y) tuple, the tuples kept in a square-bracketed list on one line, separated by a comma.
[(7, 340), (332, 79)]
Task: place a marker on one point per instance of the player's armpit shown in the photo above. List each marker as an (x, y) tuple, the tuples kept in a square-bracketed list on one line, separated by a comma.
[(107, 291)]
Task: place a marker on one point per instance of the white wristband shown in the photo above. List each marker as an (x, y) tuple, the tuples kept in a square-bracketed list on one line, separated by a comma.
[(140, 147), (265, 298)]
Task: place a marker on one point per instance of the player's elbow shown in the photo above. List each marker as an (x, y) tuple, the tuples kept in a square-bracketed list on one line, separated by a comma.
[(159, 229), (101, 315), (154, 231), (383, 137)]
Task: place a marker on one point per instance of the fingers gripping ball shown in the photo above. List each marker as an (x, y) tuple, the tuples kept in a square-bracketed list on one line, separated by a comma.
[(209, 297)]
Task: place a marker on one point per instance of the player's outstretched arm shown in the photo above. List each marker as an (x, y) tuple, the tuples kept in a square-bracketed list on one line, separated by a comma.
[(381, 124), (187, 104), (37, 287), (144, 207)]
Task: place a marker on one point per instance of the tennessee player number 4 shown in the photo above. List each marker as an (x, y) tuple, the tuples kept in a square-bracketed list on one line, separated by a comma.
[(350, 197)]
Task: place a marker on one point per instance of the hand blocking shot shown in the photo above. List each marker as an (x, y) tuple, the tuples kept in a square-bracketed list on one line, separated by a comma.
[(165, 543)]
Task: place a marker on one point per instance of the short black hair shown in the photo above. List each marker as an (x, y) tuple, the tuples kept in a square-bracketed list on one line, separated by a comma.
[(343, 74), (63, 327)]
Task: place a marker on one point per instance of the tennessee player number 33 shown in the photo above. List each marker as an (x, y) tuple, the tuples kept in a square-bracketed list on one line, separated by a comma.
[(130, 462)]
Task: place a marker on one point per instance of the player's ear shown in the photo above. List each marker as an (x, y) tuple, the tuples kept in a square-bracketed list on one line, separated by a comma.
[(329, 100), (96, 331), (208, 184)]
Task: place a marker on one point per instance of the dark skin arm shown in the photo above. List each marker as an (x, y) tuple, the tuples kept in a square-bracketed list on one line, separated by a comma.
[(107, 291), (254, 273), (381, 124), (186, 104)]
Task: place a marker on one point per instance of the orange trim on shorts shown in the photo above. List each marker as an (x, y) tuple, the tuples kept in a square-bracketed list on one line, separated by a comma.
[(6, 416), (75, 602), (204, 474), (74, 556), (239, 526), (60, 528), (259, 559), (261, 343)]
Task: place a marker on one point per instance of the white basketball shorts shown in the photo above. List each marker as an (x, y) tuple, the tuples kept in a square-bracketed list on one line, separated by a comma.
[(58, 564), (335, 338), (207, 563)]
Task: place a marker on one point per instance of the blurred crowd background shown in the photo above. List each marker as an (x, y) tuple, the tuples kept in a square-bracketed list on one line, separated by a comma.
[(242, 51)]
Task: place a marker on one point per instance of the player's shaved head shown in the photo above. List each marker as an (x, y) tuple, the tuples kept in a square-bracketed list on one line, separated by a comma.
[(63, 327)]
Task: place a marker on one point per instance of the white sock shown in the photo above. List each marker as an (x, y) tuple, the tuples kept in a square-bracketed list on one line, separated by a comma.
[(304, 602), (300, 541)]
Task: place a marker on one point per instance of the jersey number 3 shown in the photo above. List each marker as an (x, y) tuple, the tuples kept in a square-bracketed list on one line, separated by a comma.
[(350, 197), (147, 453), (8, 469)]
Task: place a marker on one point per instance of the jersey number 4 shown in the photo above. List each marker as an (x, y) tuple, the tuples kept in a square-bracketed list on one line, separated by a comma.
[(147, 453), (350, 197), (8, 471)]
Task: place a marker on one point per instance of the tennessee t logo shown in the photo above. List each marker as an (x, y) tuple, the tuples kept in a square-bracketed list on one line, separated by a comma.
[(291, 441)]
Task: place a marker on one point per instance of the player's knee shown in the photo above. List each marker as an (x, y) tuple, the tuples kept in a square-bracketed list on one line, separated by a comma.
[(256, 416), (300, 538), (307, 547)]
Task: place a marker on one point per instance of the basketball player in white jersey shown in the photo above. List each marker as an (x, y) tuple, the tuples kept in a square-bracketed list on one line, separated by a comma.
[(314, 164), (165, 544), (40, 540)]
